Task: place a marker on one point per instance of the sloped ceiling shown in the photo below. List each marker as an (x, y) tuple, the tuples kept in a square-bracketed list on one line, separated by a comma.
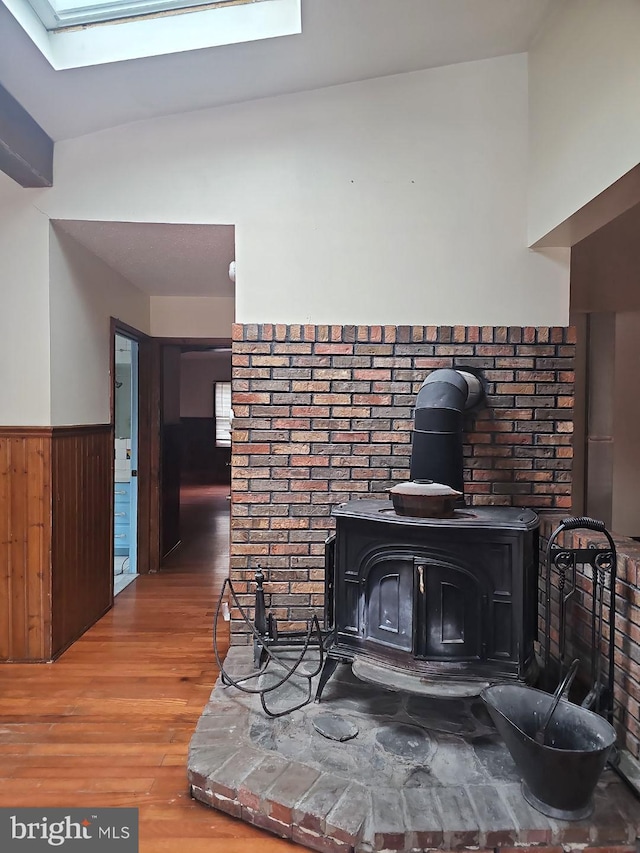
[(342, 41)]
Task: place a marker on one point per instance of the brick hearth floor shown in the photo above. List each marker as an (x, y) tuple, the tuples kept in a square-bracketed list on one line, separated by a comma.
[(421, 773)]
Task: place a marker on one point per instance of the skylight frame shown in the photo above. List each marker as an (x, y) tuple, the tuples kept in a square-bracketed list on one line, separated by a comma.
[(61, 14), (219, 23)]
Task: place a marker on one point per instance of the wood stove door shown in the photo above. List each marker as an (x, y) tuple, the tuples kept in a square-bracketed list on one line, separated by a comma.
[(388, 617), (448, 613)]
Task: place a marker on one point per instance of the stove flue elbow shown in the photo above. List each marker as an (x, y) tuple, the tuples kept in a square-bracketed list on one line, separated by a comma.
[(437, 436)]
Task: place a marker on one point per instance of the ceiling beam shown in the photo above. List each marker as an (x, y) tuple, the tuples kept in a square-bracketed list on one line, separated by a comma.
[(26, 152)]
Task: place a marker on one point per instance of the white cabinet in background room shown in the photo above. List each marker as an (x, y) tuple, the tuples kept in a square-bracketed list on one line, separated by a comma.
[(122, 519)]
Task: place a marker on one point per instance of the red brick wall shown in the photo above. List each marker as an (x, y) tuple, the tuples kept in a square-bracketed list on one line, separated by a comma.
[(324, 414)]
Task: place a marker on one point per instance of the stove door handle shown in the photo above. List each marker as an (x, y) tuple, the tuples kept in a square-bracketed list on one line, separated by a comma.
[(421, 579)]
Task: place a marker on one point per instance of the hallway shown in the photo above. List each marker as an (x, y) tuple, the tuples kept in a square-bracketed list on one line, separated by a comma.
[(109, 723)]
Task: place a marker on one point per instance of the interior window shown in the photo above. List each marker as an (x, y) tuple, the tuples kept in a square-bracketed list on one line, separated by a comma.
[(223, 415)]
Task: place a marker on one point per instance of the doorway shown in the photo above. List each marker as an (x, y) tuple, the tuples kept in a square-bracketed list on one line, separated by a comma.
[(126, 426), (193, 451)]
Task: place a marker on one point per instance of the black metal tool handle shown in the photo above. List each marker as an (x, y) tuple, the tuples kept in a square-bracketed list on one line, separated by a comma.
[(564, 685), (583, 521)]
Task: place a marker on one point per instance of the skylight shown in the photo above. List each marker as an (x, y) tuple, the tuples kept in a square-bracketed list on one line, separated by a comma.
[(78, 33), (56, 14)]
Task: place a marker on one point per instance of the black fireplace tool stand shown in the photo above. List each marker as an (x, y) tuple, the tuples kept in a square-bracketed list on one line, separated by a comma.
[(598, 601), (266, 639)]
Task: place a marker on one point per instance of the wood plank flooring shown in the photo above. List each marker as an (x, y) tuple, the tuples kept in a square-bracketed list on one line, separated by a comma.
[(109, 723)]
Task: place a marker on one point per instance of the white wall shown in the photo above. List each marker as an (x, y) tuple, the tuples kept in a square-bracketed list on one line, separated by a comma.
[(85, 293), (192, 316), (584, 94), (24, 309), (197, 376), (398, 200)]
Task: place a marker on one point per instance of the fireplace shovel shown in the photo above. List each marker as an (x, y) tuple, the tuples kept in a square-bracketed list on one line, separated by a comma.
[(559, 748)]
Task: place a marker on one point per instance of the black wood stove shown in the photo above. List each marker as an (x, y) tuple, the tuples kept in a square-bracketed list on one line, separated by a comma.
[(431, 605), (441, 606)]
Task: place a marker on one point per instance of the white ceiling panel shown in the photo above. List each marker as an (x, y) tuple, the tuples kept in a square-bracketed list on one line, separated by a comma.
[(162, 259)]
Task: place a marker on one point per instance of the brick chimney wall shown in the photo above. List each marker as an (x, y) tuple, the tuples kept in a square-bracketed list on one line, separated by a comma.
[(323, 414)]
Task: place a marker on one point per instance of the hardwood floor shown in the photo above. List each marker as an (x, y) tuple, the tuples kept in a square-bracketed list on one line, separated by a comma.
[(109, 723)]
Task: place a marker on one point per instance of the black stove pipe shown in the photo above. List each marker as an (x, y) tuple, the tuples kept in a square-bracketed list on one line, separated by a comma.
[(437, 435)]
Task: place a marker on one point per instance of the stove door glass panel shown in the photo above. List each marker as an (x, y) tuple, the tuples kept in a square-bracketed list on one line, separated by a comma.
[(389, 610), (452, 622)]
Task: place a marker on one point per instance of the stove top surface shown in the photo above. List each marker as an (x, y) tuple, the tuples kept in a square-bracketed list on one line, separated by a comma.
[(517, 518)]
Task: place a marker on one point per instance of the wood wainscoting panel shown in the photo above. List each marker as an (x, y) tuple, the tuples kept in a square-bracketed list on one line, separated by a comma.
[(25, 543), (82, 543)]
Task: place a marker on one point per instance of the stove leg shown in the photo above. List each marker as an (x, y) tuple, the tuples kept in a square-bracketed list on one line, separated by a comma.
[(328, 669)]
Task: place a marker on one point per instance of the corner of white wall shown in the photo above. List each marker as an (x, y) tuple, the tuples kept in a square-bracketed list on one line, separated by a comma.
[(84, 294), (24, 319), (584, 90)]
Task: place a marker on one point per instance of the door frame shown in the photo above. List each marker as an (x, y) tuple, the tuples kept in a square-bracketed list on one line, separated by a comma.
[(148, 556)]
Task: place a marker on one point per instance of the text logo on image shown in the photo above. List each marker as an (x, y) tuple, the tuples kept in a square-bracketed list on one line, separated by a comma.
[(34, 830)]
